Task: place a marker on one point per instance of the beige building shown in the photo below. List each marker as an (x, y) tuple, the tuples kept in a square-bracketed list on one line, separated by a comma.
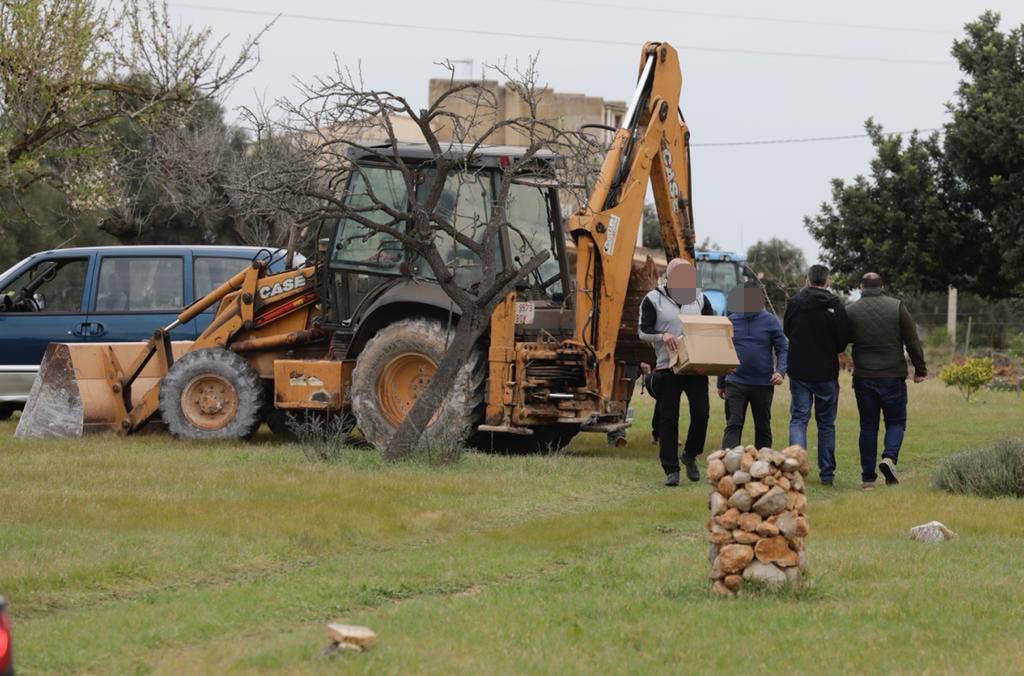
[(498, 102)]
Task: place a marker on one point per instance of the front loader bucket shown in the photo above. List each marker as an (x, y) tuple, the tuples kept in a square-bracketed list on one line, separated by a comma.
[(73, 394), (54, 406)]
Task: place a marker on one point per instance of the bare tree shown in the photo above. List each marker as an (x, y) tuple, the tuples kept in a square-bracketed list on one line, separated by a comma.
[(336, 115)]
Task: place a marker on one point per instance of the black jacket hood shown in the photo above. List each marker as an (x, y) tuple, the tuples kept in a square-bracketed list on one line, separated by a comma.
[(813, 297)]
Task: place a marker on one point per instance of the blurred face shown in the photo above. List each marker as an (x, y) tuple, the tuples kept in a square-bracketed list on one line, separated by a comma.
[(682, 281), (743, 299)]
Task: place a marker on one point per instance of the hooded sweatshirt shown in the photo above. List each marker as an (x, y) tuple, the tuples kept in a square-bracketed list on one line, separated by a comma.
[(756, 336), (659, 314), (816, 325)]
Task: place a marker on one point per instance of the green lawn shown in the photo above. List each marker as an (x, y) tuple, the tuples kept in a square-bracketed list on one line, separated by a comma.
[(150, 555)]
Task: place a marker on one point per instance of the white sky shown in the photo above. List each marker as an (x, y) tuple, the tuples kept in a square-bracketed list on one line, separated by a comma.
[(741, 194)]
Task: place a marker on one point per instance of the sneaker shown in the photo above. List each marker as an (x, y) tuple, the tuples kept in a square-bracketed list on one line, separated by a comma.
[(692, 473), (672, 479), (888, 469), (868, 485), (826, 482)]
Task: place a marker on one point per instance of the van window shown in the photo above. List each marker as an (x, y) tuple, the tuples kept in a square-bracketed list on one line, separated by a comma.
[(140, 284), (209, 272), (57, 286)]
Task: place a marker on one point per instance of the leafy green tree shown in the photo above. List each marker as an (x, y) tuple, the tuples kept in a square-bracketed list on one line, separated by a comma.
[(73, 74), (651, 226), (903, 220), (984, 143), (949, 209), (781, 267)]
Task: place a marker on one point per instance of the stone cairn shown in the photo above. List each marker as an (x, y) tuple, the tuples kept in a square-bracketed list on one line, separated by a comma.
[(757, 519)]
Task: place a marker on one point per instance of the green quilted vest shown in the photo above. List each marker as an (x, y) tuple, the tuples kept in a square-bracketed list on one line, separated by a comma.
[(875, 334)]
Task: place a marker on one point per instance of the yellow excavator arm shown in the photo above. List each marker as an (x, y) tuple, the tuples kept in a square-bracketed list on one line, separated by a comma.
[(651, 147)]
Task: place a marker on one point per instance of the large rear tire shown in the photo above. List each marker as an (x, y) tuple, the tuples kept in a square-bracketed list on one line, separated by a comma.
[(394, 369), (212, 394)]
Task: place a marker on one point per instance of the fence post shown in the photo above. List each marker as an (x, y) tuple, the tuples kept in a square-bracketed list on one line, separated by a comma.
[(951, 317)]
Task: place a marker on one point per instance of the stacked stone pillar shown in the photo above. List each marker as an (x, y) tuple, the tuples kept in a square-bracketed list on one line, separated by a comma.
[(758, 522)]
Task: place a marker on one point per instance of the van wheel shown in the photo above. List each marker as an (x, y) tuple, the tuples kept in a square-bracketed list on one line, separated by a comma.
[(7, 410), (212, 394), (394, 369)]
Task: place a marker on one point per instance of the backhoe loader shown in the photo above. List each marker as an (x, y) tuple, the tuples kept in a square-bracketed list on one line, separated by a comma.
[(361, 331)]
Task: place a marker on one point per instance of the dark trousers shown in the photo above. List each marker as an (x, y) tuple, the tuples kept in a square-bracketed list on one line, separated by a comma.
[(668, 388), (877, 397), (737, 397)]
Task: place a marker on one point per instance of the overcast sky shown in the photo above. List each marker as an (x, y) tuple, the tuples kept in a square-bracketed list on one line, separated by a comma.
[(899, 71)]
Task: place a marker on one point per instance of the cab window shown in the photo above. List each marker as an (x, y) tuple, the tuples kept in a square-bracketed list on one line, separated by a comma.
[(354, 243), (140, 284), (48, 286), (466, 204), (529, 214)]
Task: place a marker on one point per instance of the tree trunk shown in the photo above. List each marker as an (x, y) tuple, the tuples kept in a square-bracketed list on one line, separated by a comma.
[(467, 332)]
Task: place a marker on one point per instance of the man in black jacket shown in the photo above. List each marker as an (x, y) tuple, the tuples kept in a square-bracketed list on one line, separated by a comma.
[(816, 326)]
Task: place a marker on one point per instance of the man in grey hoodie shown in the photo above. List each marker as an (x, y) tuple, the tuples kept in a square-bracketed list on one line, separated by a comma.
[(660, 325)]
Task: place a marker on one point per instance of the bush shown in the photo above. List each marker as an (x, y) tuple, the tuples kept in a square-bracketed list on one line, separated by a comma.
[(321, 435), (990, 472), (968, 375), (938, 337)]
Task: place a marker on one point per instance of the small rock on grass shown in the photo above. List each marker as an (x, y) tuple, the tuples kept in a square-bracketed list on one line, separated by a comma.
[(933, 531)]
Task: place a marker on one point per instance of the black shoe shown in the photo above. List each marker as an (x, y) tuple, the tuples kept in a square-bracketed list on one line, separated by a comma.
[(888, 469), (827, 482), (692, 473), (672, 479)]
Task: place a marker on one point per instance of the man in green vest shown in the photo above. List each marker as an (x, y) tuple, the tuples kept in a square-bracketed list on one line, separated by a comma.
[(880, 328)]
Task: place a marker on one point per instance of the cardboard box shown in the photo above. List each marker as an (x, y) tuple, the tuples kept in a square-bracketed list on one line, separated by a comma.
[(705, 348)]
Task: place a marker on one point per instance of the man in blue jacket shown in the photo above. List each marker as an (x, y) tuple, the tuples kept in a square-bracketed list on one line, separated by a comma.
[(762, 348)]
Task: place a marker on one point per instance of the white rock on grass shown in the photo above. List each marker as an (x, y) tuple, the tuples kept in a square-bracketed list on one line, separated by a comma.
[(933, 531)]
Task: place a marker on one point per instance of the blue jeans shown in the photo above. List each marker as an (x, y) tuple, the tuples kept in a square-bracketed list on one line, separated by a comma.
[(825, 398), (877, 396)]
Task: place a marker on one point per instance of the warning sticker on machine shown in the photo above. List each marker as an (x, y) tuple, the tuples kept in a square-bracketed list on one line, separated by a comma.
[(609, 237), (524, 313)]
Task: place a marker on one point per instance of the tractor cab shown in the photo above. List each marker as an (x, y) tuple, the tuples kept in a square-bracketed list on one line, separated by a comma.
[(374, 280)]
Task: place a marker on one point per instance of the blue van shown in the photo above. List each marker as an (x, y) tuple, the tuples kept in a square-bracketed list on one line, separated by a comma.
[(104, 295)]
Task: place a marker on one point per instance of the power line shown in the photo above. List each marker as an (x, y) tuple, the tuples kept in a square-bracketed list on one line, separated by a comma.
[(751, 17), (811, 139), (557, 38)]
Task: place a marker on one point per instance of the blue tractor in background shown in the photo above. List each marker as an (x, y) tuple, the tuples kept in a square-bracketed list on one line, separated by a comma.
[(718, 272)]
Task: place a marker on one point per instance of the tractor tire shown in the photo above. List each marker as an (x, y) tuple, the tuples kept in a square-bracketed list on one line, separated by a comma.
[(212, 394), (396, 365), (545, 440)]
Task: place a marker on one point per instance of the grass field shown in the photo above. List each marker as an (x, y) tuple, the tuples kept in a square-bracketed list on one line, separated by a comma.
[(149, 555)]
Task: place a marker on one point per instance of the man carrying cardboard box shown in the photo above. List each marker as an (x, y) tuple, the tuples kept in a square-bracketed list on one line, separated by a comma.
[(660, 325)]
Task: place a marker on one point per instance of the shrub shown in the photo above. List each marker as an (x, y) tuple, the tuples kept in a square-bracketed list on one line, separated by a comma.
[(989, 472), (938, 337), (444, 447), (967, 375), (321, 435)]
